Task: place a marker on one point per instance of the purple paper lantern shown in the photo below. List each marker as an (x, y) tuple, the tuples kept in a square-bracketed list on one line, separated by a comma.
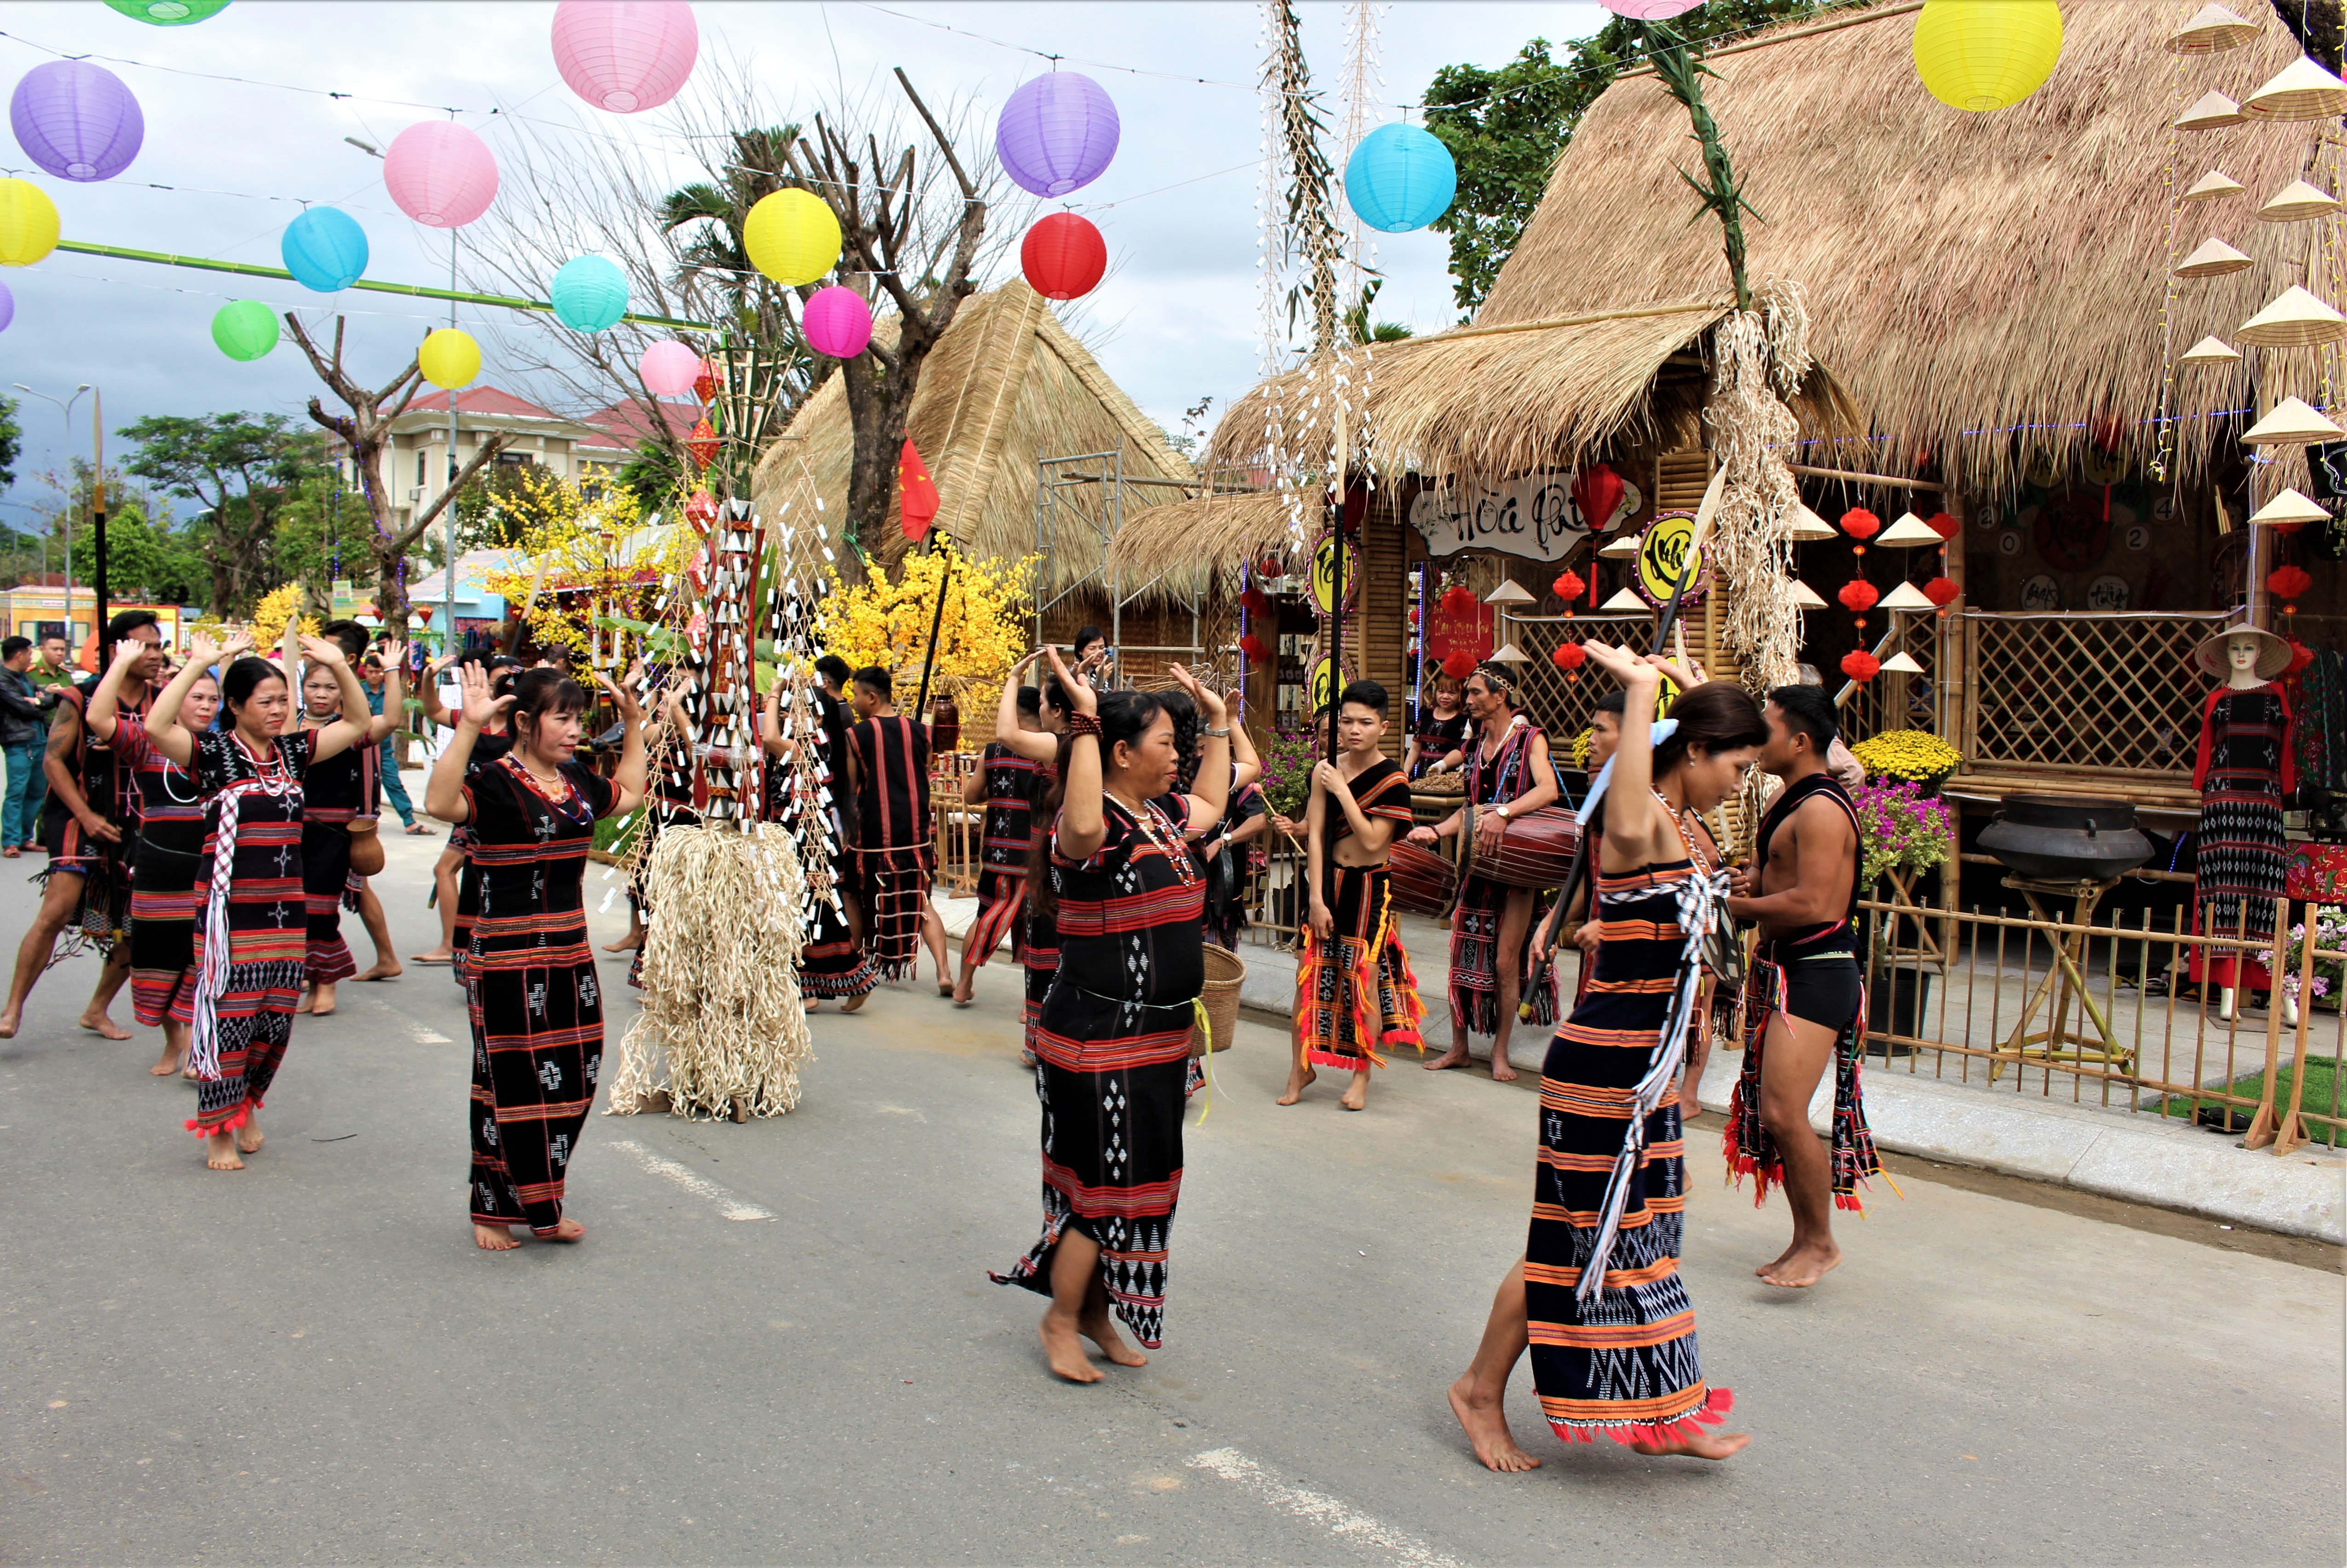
[(439, 173), (7, 307), (77, 120), (1649, 10), (1057, 133), (838, 323), (625, 55)]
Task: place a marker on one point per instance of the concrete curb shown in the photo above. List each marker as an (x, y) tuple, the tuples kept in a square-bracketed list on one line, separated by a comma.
[(2138, 1158)]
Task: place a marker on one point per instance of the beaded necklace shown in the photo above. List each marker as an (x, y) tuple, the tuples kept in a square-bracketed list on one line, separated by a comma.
[(559, 804), (1679, 821), (1145, 819)]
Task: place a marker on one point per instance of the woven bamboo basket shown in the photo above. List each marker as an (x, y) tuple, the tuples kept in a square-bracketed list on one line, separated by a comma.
[(1225, 970)]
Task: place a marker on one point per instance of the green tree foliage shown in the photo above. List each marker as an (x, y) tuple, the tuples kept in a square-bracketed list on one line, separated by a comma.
[(1506, 127), (146, 562), (325, 532), (12, 442), (244, 470)]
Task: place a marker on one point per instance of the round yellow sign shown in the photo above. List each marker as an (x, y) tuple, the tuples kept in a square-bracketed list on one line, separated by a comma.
[(1664, 549), (1326, 683), (1323, 575)]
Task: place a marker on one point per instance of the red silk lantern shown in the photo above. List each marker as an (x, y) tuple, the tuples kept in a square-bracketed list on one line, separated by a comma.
[(1860, 524), (1457, 599), (1269, 566), (1459, 664), (1597, 491), (2286, 583), (1943, 525), (1568, 588), (702, 443), (1063, 257), (704, 385), (2301, 656), (1942, 591), (1255, 602), (1858, 595), (1253, 648), (1860, 665), (1569, 656), (701, 509)]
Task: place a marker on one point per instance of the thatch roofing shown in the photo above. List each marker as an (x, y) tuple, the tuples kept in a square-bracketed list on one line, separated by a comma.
[(1965, 273), (1005, 387)]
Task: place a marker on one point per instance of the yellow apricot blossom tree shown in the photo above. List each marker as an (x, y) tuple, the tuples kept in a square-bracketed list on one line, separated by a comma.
[(987, 606)]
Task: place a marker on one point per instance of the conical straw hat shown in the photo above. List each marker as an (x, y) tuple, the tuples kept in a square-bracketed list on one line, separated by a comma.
[(2213, 31), (2296, 202), (1510, 591), (2213, 112), (2296, 319), (1906, 596), (1620, 547), (1625, 600), (1901, 663), (2301, 90), (2291, 423), (1907, 532), (2212, 259), (2210, 351), (2290, 508), (2213, 184), (1807, 597), (1808, 525)]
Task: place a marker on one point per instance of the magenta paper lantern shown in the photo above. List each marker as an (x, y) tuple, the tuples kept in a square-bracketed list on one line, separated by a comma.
[(77, 120), (838, 323), (439, 173), (1057, 133), (1649, 10), (669, 369), (625, 55)]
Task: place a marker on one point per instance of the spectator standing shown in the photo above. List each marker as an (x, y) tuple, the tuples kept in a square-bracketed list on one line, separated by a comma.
[(24, 730), (371, 675)]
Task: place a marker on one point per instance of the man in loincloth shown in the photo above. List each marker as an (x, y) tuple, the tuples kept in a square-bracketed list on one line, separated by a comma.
[(1804, 992), (888, 766), (91, 828)]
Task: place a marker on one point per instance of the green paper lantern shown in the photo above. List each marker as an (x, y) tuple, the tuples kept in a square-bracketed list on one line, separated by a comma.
[(168, 12), (244, 329)]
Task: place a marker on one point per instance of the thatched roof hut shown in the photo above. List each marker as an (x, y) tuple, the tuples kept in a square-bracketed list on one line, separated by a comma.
[(1967, 275), (1007, 386)]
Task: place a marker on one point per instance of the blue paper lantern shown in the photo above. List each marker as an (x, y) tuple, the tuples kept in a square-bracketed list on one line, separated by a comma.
[(325, 250), (7, 307), (590, 294), (1057, 133), (1401, 178)]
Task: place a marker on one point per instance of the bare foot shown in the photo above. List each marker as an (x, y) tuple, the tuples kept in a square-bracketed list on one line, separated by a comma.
[(855, 1004), (320, 1003), (1455, 1057), (1503, 1069), (1486, 1426), (385, 969), (219, 1152), (813, 1004), (627, 943), (9, 1020), (309, 1002), (1357, 1094), (248, 1138), (1769, 1267), (566, 1230), (1297, 1085), (1711, 1445), (962, 994), (1065, 1351), (1803, 1267), (169, 1064), (437, 955), (494, 1238), (96, 1019), (1098, 1328)]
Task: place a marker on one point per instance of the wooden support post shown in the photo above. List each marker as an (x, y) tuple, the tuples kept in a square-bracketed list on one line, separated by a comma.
[(1948, 668)]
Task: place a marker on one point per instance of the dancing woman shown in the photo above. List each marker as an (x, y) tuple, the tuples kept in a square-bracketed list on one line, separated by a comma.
[(170, 843), (1598, 1294), (251, 920), (1006, 784), (1114, 1068), (832, 963), (529, 975), (340, 797)]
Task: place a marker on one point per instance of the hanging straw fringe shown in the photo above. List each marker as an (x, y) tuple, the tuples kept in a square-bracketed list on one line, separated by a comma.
[(1759, 360), (722, 1017)]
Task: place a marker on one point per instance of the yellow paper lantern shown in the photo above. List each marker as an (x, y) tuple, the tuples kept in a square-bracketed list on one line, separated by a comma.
[(1983, 55), (793, 237), (28, 223), (450, 359)]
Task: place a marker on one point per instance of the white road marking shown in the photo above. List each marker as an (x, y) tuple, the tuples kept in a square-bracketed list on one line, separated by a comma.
[(728, 1205), (1328, 1512), (422, 1036)]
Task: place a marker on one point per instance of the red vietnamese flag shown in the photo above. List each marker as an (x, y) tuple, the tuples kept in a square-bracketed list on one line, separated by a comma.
[(917, 493)]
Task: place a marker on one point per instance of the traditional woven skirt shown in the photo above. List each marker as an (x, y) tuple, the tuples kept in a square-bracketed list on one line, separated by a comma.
[(326, 890), (894, 885), (162, 930), (1040, 957), (1475, 962), (831, 964), (1001, 899), (1355, 991), (2243, 859)]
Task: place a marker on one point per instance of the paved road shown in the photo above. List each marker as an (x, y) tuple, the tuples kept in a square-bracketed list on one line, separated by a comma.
[(309, 1360)]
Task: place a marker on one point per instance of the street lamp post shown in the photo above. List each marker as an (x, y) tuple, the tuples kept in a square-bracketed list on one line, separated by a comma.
[(65, 406)]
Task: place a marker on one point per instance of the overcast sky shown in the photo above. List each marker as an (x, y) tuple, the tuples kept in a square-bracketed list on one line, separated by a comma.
[(1174, 323)]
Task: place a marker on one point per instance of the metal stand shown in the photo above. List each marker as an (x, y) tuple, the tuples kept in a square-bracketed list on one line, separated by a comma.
[(2065, 980)]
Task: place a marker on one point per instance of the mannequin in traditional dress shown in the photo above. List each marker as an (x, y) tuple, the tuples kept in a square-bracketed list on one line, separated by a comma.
[(2245, 774)]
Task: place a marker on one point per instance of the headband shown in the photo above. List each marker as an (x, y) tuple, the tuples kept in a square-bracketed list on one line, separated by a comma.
[(1496, 676)]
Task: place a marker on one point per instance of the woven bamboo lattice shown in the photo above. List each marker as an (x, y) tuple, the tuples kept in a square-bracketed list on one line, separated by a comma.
[(1895, 700), (2111, 692)]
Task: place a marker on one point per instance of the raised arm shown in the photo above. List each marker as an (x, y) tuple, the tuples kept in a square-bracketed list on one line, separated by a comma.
[(1630, 819), (627, 779), (1082, 829), (355, 724), (163, 717), (107, 700), (1034, 745), (395, 700), (1212, 792), (444, 791), (770, 723), (1245, 765)]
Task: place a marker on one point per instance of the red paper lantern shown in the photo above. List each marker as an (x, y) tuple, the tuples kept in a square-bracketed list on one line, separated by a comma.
[(1569, 656), (1860, 665), (1063, 257), (1860, 524), (1459, 664), (1942, 591), (2301, 656), (701, 509), (704, 385), (1858, 595), (2289, 582), (1568, 587), (1459, 600), (1256, 602), (1252, 648), (1597, 491), (1943, 525), (1269, 566), (702, 443)]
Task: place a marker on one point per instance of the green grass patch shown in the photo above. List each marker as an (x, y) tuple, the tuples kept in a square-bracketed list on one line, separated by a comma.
[(2322, 1085), (615, 835)]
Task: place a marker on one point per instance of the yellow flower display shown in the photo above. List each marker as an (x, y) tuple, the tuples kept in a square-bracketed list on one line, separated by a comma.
[(268, 617), (597, 556), (1581, 744), (988, 606), (1906, 754)]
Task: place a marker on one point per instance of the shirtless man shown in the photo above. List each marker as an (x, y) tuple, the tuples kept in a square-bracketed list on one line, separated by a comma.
[(1803, 901), (89, 826)]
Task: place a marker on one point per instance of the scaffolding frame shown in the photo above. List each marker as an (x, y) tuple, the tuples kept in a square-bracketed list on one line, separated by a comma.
[(1084, 498)]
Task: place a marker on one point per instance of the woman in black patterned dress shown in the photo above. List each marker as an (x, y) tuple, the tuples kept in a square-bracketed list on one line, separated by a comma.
[(535, 1005), (339, 798), (251, 920), (1114, 1068)]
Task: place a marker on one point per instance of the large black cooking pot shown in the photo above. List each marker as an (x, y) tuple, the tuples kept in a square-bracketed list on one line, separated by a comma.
[(2065, 838)]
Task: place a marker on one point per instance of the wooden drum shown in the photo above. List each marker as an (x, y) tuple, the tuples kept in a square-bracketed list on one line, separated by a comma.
[(1424, 882), (1537, 851)]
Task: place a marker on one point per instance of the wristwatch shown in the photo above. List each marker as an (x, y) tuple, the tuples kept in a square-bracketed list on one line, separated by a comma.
[(1501, 811)]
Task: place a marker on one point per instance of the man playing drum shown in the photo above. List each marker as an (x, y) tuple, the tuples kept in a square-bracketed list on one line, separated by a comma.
[(1508, 775)]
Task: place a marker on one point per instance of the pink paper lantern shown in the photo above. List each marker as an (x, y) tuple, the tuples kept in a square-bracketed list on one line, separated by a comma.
[(838, 323), (439, 173), (625, 55), (669, 369), (1649, 10)]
